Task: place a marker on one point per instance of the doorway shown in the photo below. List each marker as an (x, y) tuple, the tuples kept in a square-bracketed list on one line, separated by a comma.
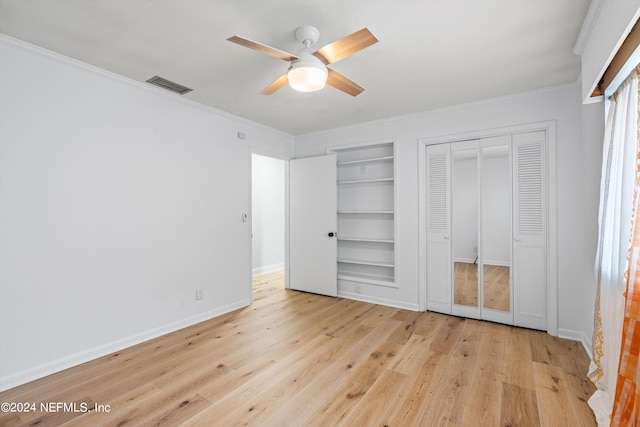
[(268, 221)]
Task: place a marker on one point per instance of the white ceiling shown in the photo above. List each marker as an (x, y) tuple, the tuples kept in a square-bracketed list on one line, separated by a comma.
[(432, 53)]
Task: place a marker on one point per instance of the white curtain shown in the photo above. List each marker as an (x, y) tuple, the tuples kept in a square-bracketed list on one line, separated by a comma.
[(614, 241)]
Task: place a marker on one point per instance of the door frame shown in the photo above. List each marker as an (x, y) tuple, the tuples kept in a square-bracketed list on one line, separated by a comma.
[(285, 158), (552, 260)]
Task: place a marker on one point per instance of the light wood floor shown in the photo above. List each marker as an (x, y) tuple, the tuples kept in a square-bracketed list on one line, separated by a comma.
[(496, 286), (297, 359)]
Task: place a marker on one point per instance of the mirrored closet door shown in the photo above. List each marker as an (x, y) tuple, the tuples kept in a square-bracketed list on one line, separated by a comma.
[(486, 205), (495, 218), (465, 233)]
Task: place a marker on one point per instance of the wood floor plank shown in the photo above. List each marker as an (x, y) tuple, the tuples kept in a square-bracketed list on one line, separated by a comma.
[(581, 389), (413, 355), (409, 323), (447, 336), (520, 407), (378, 313), (358, 384), (293, 358), (377, 401), (252, 401), (518, 369), (425, 385), (9, 419), (552, 392), (318, 395), (58, 417), (468, 343), (216, 390), (453, 387), (429, 323), (129, 405), (491, 354), (484, 403)]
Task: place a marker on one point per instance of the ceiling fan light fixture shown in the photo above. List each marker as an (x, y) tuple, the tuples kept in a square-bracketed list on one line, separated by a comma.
[(308, 74)]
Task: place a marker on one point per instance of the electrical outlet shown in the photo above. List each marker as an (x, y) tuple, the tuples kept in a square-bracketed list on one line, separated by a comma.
[(199, 293)]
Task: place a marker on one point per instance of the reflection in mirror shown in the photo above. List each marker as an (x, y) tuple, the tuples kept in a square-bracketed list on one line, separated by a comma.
[(465, 226), (496, 228)]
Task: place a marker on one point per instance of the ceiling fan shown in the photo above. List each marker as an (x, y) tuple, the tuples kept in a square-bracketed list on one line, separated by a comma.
[(308, 71)]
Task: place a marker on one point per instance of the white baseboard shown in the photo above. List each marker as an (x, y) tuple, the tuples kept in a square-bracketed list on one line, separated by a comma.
[(268, 268), (379, 301), (577, 336), (25, 376)]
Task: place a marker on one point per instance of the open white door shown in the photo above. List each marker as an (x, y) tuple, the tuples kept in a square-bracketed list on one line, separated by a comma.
[(312, 225)]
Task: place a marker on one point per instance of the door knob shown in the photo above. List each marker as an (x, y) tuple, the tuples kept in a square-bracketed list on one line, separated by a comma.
[(331, 234)]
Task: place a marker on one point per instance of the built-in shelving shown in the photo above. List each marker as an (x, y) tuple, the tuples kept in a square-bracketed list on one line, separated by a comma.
[(367, 278), (364, 181), (361, 239), (366, 201), (366, 212), (364, 262), (371, 160)]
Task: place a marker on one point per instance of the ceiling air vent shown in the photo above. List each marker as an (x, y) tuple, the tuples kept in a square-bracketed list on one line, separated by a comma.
[(169, 85)]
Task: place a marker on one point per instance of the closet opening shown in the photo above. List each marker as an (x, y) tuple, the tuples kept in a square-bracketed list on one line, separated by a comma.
[(488, 225)]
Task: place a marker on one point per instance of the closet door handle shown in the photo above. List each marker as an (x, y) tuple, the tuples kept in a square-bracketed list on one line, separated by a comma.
[(446, 237), (517, 239), (331, 234)]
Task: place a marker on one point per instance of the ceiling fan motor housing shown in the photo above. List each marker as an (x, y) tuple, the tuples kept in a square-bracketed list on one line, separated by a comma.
[(307, 35)]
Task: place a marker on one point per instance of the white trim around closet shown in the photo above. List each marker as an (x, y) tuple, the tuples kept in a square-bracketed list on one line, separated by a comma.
[(552, 259)]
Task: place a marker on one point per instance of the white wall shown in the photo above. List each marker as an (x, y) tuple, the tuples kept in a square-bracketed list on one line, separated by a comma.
[(117, 201), (575, 229), (268, 212)]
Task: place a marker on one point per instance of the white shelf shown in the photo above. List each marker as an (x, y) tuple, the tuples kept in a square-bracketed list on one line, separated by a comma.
[(368, 278), (366, 188), (366, 212), (375, 159), (365, 181), (367, 240), (363, 262)]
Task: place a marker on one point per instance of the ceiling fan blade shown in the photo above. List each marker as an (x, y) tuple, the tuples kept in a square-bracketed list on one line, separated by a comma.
[(277, 84), (271, 51), (346, 46), (342, 83)]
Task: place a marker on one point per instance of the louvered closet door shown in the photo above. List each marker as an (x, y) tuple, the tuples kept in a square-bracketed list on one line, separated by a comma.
[(438, 188), (530, 230)]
